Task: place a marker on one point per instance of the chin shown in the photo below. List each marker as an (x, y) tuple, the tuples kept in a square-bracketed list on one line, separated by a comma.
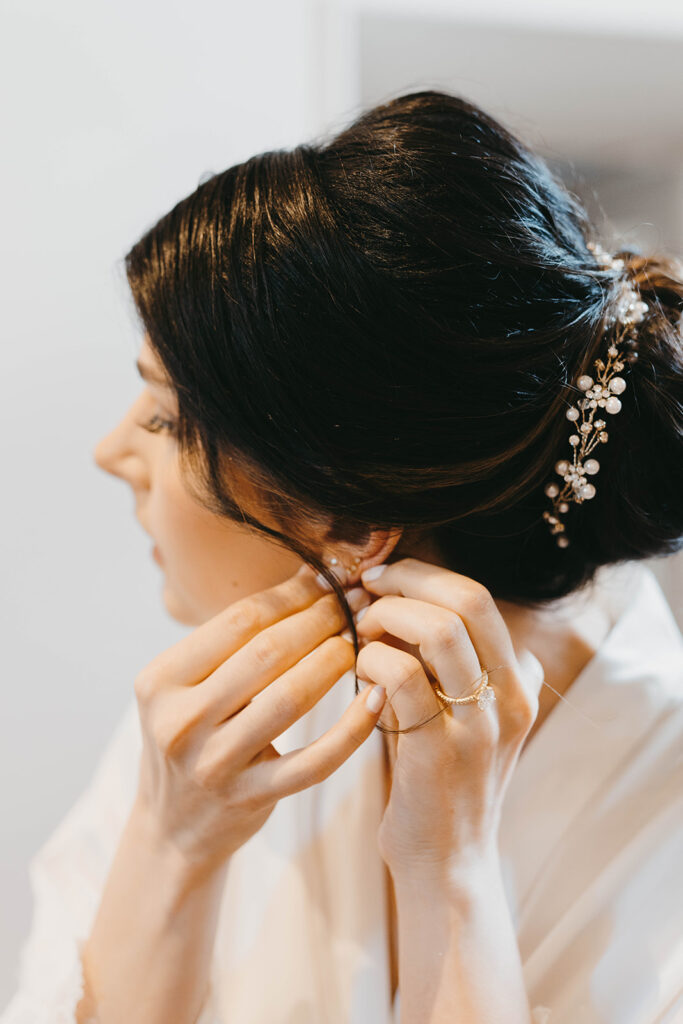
[(181, 610)]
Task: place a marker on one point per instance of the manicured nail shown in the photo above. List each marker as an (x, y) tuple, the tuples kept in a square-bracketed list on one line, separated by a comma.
[(373, 573), (375, 699), (323, 582), (359, 615), (357, 597)]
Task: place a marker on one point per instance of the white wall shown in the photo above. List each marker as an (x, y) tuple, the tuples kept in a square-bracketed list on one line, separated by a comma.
[(111, 113)]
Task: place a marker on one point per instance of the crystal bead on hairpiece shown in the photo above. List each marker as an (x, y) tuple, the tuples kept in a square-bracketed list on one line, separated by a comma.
[(599, 394)]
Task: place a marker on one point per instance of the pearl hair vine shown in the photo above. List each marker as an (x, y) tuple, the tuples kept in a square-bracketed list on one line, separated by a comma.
[(601, 393)]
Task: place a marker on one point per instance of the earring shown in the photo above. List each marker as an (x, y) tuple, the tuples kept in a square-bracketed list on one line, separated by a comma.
[(347, 570)]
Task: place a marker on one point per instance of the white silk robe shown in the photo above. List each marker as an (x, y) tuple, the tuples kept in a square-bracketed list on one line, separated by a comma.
[(591, 843)]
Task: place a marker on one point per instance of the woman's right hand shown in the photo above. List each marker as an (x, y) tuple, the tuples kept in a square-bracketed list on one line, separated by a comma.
[(209, 774)]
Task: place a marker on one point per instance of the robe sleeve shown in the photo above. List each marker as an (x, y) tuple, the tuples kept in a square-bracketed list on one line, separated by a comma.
[(67, 876)]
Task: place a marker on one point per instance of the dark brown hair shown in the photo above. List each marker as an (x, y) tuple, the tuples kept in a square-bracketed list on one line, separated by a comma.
[(384, 328)]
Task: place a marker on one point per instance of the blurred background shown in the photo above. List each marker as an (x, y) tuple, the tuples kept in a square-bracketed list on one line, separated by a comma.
[(113, 112)]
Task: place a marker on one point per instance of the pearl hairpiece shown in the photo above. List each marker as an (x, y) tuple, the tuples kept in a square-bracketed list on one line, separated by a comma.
[(600, 394)]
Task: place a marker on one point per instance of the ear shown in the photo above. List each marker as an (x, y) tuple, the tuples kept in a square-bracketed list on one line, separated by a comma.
[(380, 546), (352, 559)]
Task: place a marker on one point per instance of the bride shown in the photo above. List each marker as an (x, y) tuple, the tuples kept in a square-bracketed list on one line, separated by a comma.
[(408, 433)]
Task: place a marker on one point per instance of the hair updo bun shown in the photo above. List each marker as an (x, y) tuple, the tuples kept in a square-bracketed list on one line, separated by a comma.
[(384, 328)]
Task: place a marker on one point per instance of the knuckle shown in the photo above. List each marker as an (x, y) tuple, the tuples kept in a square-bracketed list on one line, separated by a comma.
[(407, 671), (169, 739), (401, 668), (477, 599), (211, 768), (244, 616), (145, 684), (246, 797), (266, 651), (448, 633), (174, 721), (205, 773), (163, 739), (525, 710)]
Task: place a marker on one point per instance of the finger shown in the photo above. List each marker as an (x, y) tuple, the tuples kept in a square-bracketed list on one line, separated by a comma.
[(197, 655), (408, 689), (423, 581), (315, 762), (441, 635), (295, 692), (270, 654), (533, 673)]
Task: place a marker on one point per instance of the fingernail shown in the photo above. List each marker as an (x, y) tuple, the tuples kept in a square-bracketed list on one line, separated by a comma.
[(359, 615), (357, 598), (375, 699), (373, 573), (323, 582)]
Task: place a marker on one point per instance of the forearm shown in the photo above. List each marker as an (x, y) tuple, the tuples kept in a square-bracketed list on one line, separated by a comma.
[(458, 953), (148, 955)]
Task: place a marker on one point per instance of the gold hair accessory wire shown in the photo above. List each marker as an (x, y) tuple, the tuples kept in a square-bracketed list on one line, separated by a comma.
[(599, 394), (485, 688)]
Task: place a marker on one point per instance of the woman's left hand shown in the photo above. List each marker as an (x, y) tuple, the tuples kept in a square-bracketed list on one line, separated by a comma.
[(450, 775)]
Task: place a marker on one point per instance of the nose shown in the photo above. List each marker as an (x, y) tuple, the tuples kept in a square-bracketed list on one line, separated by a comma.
[(102, 454), (120, 453)]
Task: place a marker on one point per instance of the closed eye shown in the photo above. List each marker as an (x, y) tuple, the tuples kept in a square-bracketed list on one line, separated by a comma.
[(157, 424)]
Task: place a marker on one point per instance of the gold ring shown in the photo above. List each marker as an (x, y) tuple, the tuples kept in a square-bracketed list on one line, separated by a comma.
[(483, 694)]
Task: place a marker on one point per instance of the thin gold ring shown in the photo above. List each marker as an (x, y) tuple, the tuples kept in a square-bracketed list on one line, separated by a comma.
[(483, 695)]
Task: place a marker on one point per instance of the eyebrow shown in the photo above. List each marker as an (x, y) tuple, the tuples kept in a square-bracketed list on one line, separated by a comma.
[(148, 374)]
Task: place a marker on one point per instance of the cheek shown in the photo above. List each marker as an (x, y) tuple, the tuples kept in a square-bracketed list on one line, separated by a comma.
[(208, 562)]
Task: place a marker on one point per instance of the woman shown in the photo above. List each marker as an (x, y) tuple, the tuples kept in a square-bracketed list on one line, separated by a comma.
[(375, 373)]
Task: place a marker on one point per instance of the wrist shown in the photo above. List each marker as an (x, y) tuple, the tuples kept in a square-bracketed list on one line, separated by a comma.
[(186, 872), (461, 879)]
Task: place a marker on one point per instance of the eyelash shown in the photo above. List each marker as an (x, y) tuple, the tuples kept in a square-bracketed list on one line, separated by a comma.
[(157, 424)]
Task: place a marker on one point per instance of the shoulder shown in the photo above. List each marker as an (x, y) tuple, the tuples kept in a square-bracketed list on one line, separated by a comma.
[(593, 837)]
